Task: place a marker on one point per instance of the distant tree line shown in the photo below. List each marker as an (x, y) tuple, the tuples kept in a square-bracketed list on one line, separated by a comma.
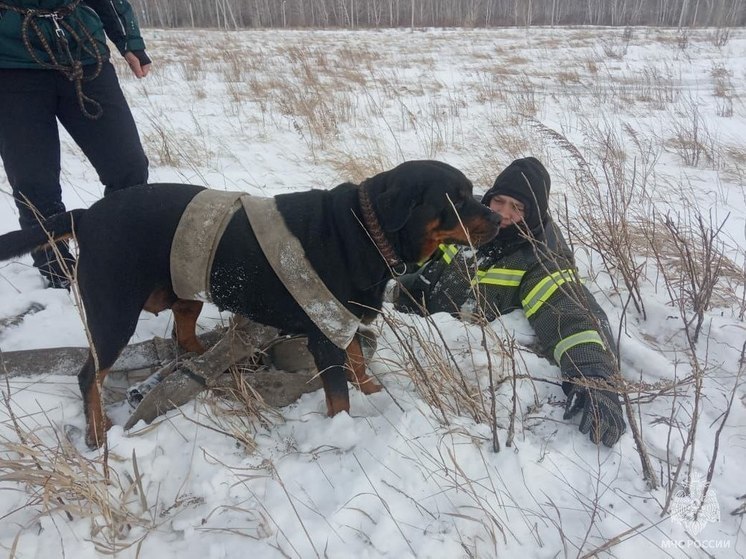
[(239, 14)]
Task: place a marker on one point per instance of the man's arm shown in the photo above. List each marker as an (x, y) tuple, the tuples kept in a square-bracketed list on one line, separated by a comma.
[(575, 331), (570, 325), (120, 24)]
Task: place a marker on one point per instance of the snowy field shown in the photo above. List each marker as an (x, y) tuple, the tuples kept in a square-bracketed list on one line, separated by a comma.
[(643, 133)]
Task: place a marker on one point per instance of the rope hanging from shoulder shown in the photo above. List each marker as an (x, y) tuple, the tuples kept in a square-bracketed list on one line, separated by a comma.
[(72, 68)]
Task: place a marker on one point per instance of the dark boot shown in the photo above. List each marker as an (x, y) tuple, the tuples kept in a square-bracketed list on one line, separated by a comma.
[(50, 266), (45, 259)]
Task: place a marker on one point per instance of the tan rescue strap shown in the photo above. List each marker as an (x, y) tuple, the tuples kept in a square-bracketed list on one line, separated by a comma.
[(288, 259), (193, 248)]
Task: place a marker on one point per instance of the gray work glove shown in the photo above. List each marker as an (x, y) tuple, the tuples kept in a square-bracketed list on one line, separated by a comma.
[(602, 417)]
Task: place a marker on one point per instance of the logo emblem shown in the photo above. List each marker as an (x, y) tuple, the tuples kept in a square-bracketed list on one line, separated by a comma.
[(692, 508)]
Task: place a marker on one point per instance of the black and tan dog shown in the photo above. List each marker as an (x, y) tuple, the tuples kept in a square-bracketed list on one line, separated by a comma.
[(125, 241)]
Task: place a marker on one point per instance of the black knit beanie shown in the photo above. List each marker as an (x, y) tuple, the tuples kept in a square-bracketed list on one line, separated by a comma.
[(526, 180)]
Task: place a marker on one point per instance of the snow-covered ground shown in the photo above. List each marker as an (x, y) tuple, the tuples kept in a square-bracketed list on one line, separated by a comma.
[(648, 124)]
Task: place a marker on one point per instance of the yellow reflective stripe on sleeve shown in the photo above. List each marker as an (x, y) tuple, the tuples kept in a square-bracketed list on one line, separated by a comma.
[(499, 276), (449, 251), (543, 290), (584, 337)]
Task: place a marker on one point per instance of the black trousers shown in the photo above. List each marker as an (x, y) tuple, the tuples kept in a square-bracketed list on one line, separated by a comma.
[(31, 102)]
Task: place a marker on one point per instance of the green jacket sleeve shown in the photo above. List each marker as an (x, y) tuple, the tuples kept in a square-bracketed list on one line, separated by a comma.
[(119, 23), (570, 325)]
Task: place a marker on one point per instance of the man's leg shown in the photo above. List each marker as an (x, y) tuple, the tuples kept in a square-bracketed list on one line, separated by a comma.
[(30, 150), (111, 142)]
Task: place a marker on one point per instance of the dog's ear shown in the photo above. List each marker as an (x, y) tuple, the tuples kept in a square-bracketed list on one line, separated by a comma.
[(392, 199), (394, 210)]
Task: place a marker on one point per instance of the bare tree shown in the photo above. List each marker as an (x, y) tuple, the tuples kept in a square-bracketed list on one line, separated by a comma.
[(234, 14)]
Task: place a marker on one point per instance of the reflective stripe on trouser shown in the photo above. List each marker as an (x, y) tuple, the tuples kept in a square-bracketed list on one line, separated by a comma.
[(584, 337)]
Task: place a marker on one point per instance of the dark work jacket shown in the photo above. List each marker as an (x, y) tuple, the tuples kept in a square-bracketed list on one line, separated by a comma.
[(537, 276), (94, 17)]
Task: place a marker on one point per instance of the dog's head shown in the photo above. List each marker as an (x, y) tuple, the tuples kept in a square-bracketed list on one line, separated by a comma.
[(421, 204)]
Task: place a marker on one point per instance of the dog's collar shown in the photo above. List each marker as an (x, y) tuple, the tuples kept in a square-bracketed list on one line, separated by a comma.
[(374, 229)]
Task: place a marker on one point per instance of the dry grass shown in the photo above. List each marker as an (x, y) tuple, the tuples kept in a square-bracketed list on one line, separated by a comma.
[(369, 159), (192, 68), (239, 411), (693, 139), (171, 146), (437, 376), (63, 484), (568, 77)]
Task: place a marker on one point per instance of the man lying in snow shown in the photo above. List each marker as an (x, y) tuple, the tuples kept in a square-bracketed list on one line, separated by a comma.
[(529, 266)]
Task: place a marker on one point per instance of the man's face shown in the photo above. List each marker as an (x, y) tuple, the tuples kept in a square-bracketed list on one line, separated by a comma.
[(511, 210)]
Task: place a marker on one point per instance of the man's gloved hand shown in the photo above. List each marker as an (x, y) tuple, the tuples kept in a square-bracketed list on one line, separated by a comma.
[(602, 417)]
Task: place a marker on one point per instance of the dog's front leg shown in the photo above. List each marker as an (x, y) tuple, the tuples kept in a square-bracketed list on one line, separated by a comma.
[(97, 423), (330, 360), (356, 370)]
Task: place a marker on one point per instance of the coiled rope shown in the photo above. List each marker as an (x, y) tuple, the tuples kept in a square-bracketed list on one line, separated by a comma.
[(62, 60)]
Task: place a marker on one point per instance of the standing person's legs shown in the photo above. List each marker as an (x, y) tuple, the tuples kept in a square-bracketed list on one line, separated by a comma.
[(30, 150), (111, 142)]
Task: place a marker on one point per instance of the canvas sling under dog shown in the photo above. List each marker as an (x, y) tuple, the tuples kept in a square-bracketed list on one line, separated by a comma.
[(192, 254), (192, 257)]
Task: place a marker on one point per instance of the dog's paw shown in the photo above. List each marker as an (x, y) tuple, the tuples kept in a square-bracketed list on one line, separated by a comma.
[(95, 436), (336, 404), (369, 387)]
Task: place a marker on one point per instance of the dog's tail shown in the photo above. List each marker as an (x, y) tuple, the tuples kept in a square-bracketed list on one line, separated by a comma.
[(56, 228)]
